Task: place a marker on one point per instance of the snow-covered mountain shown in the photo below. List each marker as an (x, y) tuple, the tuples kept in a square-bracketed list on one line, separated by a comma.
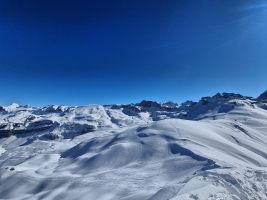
[(212, 149)]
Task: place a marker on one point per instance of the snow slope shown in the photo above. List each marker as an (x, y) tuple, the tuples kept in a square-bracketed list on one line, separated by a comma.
[(212, 149)]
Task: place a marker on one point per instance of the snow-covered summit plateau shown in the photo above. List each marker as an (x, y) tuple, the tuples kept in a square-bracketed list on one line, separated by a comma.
[(212, 149)]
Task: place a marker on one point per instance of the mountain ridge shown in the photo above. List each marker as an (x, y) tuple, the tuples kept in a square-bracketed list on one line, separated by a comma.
[(211, 149)]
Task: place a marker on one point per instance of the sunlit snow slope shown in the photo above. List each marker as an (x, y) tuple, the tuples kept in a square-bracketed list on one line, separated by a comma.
[(212, 149)]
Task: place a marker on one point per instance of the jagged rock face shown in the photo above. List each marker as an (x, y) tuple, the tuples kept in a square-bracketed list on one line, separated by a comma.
[(132, 110), (70, 130), (148, 104), (2, 109), (70, 121), (55, 109), (263, 96), (170, 104), (68, 156), (226, 95), (61, 152), (15, 128), (214, 105), (41, 125)]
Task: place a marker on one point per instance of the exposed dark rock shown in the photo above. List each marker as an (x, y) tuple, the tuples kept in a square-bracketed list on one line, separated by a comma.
[(17, 125), (2, 109), (227, 95), (71, 130), (4, 125), (52, 136), (37, 119), (149, 104), (132, 110), (116, 106), (54, 109), (31, 117), (170, 104), (41, 125), (204, 100), (5, 133), (263, 97)]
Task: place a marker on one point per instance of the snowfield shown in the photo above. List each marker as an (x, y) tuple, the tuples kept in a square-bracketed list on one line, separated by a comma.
[(212, 149)]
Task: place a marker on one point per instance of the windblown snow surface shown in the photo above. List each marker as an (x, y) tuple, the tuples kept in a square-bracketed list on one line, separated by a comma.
[(212, 149)]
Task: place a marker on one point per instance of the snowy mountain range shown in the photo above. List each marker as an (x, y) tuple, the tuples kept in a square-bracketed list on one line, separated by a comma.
[(212, 149)]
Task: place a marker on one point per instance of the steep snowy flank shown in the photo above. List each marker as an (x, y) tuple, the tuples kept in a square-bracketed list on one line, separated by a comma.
[(212, 149)]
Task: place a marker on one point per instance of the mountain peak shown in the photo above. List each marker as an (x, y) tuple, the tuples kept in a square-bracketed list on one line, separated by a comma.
[(227, 95), (263, 96), (12, 107)]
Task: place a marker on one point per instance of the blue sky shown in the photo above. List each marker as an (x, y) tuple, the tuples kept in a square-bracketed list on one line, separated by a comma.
[(83, 52)]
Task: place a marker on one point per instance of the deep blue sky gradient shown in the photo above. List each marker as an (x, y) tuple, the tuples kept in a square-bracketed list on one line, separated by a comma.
[(102, 51)]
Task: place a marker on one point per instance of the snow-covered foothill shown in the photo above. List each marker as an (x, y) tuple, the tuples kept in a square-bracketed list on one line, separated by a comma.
[(212, 149)]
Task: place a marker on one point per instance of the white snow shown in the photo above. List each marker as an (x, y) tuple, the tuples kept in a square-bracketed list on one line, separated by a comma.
[(213, 149)]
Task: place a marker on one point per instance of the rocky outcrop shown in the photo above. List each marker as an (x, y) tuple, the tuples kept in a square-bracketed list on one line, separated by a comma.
[(71, 121), (263, 97), (8, 129)]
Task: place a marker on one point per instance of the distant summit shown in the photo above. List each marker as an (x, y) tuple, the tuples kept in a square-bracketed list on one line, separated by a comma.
[(214, 148), (55, 121), (263, 96)]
